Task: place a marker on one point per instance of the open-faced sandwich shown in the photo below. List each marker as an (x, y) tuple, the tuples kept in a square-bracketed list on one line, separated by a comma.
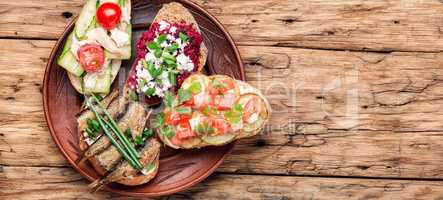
[(125, 123), (101, 39), (167, 53), (211, 111)]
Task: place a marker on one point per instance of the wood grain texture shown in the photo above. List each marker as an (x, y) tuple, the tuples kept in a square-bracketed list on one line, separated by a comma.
[(65, 183), (392, 128), (393, 25)]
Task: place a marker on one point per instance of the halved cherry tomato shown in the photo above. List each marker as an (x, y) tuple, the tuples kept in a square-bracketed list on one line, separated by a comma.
[(108, 15), (91, 57), (251, 107), (184, 131), (225, 102), (221, 126)]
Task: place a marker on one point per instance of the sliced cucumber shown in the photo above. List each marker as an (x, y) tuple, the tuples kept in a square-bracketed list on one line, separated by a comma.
[(67, 59), (218, 139), (86, 17), (99, 82)]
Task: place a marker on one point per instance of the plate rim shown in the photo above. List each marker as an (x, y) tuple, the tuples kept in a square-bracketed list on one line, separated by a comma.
[(52, 58)]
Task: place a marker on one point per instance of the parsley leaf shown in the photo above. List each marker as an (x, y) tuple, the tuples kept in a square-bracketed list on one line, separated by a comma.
[(184, 38), (161, 38), (186, 111), (183, 95), (195, 88), (154, 46), (168, 99), (167, 131), (160, 120)]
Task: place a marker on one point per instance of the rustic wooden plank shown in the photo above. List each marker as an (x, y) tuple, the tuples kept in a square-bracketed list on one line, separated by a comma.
[(392, 128), (393, 25), (65, 183)]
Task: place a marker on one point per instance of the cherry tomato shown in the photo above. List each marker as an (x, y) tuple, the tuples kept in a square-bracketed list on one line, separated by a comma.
[(91, 57), (184, 131), (108, 15), (224, 102), (221, 126), (250, 108)]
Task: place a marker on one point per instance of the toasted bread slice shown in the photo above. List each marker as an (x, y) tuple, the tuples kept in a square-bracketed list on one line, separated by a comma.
[(176, 13), (245, 92)]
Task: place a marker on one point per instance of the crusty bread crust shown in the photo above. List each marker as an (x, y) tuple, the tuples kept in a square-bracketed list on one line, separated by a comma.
[(176, 13)]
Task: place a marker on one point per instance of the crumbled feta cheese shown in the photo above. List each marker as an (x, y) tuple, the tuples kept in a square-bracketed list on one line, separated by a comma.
[(184, 63), (121, 38), (173, 29), (170, 37), (164, 44), (163, 25)]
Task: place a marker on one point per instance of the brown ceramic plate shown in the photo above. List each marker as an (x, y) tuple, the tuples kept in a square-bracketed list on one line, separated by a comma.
[(178, 169)]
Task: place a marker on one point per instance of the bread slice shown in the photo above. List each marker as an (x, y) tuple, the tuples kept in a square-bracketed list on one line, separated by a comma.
[(245, 91), (176, 13)]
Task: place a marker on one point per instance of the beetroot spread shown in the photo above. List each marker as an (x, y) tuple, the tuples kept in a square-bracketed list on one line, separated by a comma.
[(166, 55)]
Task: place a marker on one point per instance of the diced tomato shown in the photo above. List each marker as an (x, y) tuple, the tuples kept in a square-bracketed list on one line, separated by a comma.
[(251, 107), (225, 102), (189, 102), (172, 118), (202, 100), (175, 141), (91, 57), (184, 131), (108, 15), (184, 118), (220, 86), (221, 126)]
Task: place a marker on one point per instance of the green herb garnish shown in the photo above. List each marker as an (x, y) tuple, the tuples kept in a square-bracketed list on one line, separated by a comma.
[(185, 111), (161, 38), (159, 121), (172, 78), (204, 128), (195, 88), (168, 99), (154, 46), (183, 95), (150, 91), (183, 37), (234, 115), (167, 131)]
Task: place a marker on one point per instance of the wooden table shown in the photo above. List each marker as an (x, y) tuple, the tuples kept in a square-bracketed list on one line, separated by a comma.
[(356, 88)]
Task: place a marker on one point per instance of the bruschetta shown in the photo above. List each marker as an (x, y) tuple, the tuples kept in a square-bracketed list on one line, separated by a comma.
[(211, 111), (168, 52), (101, 39)]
